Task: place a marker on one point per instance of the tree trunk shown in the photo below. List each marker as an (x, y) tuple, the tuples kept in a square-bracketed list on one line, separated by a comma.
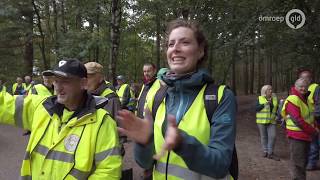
[(234, 60), (63, 17), (28, 49), (246, 71), (78, 23), (270, 67), (42, 45), (252, 70), (158, 40), (97, 49), (116, 13), (55, 25)]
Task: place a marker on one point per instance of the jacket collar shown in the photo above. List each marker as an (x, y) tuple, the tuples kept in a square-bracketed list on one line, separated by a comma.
[(90, 105), (100, 89), (187, 81)]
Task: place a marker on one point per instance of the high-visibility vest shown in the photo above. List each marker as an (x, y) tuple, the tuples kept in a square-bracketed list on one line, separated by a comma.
[(14, 87), (3, 88), (40, 89), (312, 89), (172, 165), (28, 87), (106, 92), (149, 97), (86, 147), (120, 93), (265, 116), (304, 110)]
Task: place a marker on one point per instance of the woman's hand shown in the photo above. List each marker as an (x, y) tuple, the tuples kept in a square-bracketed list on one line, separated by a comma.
[(137, 129), (173, 137)]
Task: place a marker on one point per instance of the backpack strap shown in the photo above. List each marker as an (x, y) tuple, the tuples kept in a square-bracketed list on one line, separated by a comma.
[(210, 97), (158, 98)]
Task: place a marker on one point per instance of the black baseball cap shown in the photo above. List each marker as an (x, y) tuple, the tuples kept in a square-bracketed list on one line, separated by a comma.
[(68, 68)]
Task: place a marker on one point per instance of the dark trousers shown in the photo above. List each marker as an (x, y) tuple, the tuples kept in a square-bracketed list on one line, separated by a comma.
[(298, 158), (313, 156)]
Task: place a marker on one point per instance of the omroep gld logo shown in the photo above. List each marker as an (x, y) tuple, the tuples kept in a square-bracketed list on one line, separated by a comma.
[(295, 18)]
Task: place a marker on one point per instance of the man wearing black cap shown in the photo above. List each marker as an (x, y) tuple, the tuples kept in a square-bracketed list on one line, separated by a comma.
[(72, 135)]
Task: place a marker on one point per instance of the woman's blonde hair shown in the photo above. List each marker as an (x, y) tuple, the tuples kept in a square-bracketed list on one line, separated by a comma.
[(264, 89)]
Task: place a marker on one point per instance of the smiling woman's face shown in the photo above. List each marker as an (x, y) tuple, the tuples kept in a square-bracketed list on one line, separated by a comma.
[(183, 51)]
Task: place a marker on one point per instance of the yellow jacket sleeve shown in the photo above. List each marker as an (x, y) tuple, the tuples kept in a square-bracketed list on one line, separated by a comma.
[(18, 110)]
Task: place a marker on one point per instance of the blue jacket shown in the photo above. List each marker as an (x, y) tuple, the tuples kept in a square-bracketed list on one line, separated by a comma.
[(212, 160)]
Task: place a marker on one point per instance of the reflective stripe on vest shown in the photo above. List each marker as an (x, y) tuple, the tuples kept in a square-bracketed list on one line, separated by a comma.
[(54, 155), (18, 113), (304, 110), (104, 154), (187, 124), (265, 116), (76, 173), (184, 173)]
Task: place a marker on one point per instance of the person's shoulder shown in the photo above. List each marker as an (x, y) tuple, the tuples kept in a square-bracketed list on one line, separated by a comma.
[(100, 101), (228, 93)]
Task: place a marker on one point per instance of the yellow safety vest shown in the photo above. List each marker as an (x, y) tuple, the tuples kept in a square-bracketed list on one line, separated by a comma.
[(106, 92), (304, 110), (265, 116), (151, 93), (28, 87), (121, 91), (83, 148), (40, 90), (312, 89), (14, 87), (177, 168), (3, 88)]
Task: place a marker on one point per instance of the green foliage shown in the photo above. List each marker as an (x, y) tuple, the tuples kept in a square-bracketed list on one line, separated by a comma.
[(81, 29)]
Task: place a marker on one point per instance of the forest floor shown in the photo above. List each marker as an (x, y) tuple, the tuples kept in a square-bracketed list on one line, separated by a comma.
[(252, 166)]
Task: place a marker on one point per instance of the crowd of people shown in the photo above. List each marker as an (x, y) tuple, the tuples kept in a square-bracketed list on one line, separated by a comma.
[(182, 124)]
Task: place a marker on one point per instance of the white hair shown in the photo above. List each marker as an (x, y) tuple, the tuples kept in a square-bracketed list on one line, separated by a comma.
[(264, 89)]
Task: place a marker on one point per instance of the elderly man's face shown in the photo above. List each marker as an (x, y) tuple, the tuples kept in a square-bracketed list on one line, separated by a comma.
[(27, 79), (68, 90), (19, 80), (302, 87)]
